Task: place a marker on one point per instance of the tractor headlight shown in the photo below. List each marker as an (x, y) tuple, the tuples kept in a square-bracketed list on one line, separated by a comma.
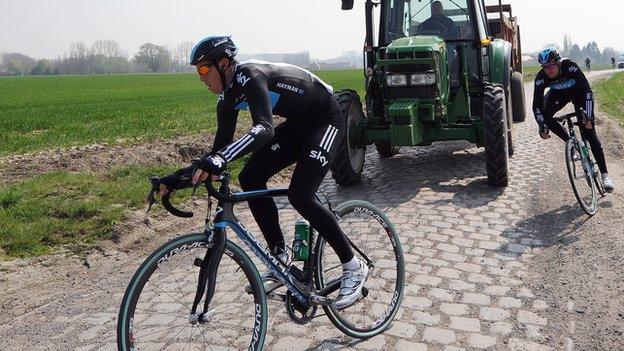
[(422, 79), (396, 80)]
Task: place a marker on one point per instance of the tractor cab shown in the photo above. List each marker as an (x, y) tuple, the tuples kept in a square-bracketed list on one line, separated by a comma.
[(452, 21)]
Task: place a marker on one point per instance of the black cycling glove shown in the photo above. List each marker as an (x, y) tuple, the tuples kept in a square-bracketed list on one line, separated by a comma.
[(214, 164)]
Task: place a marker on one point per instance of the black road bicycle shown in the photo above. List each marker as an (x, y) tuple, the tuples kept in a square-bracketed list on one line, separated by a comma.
[(584, 175), (202, 291)]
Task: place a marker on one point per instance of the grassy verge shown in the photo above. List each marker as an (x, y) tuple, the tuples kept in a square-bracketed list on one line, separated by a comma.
[(529, 72), (78, 209), (610, 94), (42, 112), (72, 209)]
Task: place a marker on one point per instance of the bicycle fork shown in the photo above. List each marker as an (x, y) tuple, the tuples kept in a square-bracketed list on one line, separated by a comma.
[(207, 275)]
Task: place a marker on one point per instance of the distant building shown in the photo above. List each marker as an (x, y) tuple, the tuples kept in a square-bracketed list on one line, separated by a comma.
[(301, 59)]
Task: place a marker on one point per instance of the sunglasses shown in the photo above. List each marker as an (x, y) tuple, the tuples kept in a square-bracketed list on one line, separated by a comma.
[(203, 70), (550, 65)]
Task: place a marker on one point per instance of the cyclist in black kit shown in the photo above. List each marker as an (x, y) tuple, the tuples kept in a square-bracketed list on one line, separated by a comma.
[(588, 64), (567, 83), (308, 137)]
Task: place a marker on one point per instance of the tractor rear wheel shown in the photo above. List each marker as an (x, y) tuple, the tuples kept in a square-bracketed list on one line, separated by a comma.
[(348, 162), (495, 135)]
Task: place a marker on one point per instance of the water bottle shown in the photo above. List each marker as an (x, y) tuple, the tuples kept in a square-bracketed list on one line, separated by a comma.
[(301, 243), (584, 149)]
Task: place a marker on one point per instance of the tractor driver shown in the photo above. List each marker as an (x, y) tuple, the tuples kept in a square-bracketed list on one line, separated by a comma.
[(439, 23)]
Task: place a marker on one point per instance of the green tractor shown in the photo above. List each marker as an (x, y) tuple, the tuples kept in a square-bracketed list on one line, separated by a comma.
[(438, 70)]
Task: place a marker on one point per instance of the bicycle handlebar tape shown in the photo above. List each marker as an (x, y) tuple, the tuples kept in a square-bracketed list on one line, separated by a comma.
[(166, 201)]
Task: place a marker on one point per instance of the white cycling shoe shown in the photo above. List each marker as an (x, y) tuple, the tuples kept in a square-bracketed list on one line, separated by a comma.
[(608, 183), (351, 285)]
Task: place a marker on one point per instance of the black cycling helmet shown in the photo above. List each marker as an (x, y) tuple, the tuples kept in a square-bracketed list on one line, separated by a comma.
[(548, 55), (213, 49)]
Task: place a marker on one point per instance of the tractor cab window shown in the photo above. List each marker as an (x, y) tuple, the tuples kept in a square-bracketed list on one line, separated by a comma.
[(449, 19)]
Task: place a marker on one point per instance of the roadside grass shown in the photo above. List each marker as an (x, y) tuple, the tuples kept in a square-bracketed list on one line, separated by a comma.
[(529, 72), (60, 111), (610, 94), (75, 209)]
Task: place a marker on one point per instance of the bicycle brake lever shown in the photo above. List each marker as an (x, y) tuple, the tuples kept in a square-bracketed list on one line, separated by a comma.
[(151, 200), (195, 163)]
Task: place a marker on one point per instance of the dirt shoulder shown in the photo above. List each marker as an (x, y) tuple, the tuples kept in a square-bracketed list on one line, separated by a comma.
[(581, 266)]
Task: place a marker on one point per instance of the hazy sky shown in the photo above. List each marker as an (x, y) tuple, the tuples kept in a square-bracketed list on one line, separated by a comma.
[(46, 28)]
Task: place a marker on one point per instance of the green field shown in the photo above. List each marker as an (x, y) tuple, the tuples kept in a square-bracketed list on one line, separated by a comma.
[(43, 112), (610, 94), (78, 209)]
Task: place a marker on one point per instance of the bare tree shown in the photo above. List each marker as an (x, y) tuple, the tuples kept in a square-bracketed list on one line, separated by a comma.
[(106, 48), (78, 50), (155, 57), (181, 55)]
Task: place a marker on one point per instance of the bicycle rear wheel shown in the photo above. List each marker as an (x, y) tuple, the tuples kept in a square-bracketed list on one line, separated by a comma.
[(372, 233), (154, 313), (580, 177)]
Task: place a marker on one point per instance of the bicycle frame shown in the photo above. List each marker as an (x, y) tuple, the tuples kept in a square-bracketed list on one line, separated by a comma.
[(225, 218), (571, 130)]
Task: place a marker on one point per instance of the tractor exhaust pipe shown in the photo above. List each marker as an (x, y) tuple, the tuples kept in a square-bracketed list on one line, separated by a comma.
[(347, 4)]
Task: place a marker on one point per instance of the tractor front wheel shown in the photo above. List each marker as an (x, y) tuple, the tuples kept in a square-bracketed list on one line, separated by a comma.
[(517, 97), (495, 135), (349, 159)]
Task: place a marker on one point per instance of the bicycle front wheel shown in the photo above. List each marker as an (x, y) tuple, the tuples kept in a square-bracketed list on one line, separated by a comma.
[(580, 177), (374, 240), (155, 311)]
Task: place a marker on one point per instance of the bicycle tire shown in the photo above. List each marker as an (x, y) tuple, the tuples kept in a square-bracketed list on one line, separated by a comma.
[(598, 179), (154, 313), (388, 271), (587, 202)]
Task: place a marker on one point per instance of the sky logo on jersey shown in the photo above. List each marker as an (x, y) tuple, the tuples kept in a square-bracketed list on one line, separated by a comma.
[(566, 84), (539, 82), (242, 79), (573, 69), (318, 155)]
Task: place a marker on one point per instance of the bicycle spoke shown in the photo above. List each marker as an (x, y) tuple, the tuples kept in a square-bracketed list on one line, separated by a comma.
[(161, 331), (168, 294), (224, 337), (160, 312)]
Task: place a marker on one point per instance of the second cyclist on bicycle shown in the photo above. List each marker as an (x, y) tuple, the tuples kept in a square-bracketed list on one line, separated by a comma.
[(567, 83)]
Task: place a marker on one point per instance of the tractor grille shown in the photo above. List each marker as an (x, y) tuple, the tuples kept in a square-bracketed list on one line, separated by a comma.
[(408, 68), (394, 55), (423, 93)]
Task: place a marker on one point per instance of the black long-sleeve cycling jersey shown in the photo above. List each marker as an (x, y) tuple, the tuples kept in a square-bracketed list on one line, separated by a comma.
[(265, 89), (570, 82)]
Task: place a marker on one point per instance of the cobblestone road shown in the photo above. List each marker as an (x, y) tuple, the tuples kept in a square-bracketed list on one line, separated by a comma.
[(465, 248)]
